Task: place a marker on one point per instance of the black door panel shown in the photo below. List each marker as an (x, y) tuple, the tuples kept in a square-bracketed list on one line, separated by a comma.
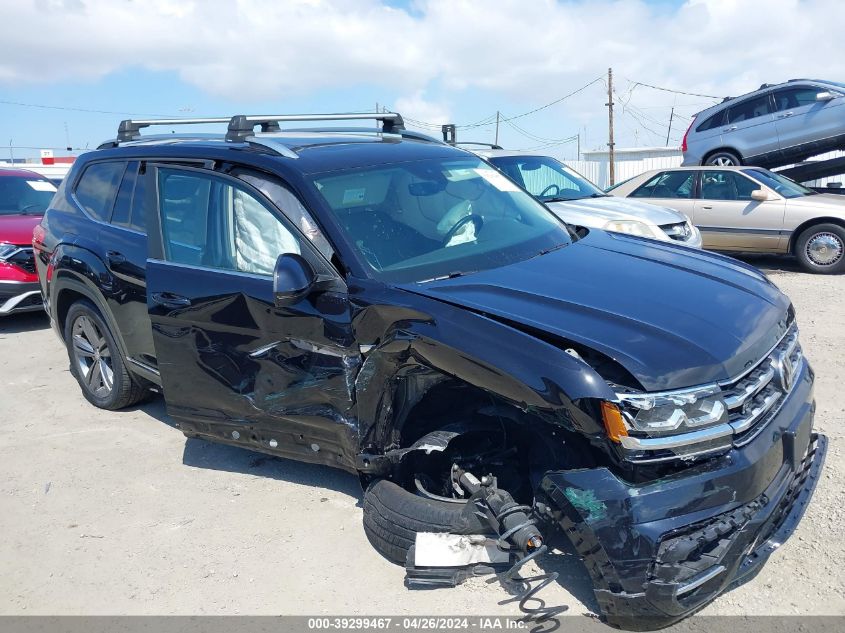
[(235, 367)]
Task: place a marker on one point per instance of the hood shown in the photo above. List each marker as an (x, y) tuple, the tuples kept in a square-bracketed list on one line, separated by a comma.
[(596, 212), (673, 317), (17, 229), (827, 203)]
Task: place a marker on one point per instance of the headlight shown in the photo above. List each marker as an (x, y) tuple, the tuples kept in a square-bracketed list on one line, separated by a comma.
[(6, 250), (631, 227), (674, 412)]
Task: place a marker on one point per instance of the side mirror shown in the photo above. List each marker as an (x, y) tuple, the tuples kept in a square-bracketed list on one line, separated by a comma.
[(825, 96), (293, 279), (759, 195)]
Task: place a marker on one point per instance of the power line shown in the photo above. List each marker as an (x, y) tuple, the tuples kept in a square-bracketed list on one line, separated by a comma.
[(534, 137), (678, 92), (490, 119), (72, 109), (556, 101)]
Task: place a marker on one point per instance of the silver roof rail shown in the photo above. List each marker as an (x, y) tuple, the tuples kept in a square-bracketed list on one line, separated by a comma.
[(129, 129), (272, 144), (243, 126)]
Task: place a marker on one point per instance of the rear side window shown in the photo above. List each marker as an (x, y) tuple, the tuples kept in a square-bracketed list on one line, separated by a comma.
[(667, 184), (713, 122), (96, 190), (749, 109), (128, 207)]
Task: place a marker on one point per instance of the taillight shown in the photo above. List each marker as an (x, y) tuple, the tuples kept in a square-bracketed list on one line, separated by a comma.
[(684, 142), (38, 234)]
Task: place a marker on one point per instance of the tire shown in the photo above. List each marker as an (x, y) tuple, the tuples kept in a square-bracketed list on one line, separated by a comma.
[(723, 158), (821, 249), (393, 516), (93, 355)]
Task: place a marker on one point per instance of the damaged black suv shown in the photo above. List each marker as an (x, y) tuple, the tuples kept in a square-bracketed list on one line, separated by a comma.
[(384, 303)]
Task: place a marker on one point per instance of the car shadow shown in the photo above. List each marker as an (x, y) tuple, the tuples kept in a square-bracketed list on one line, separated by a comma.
[(572, 575), (199, 453), (24, 322), (771, 264)]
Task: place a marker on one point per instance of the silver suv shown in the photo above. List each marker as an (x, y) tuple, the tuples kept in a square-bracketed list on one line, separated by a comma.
[(775, 125)]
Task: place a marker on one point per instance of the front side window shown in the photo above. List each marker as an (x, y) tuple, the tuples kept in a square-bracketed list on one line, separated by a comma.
[(667, 184), (546, 178), (425, 219), (782, 185), (208, 221), (25, 195), (97, 188), (749, 109), (726, 185), (796, 97)]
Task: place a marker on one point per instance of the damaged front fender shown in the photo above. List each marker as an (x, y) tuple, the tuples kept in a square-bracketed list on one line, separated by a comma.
[(418, 343)]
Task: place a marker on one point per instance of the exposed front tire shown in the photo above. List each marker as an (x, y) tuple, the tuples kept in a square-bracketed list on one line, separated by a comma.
[(723, 158), (96, 362), (393, 516), (821, 249)]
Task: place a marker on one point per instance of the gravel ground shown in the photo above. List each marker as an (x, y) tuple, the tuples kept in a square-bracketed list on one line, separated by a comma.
[(117, 513)]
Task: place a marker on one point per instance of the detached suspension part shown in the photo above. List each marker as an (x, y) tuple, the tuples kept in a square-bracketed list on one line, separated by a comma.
[(518, 534)]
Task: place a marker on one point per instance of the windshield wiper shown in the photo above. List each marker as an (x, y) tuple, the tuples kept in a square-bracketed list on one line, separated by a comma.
[(452, 275), (546, 251), (599, 195)]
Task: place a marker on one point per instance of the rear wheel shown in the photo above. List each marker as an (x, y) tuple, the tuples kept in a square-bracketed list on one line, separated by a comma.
[(821, 249), (723, 158), (96, 362)]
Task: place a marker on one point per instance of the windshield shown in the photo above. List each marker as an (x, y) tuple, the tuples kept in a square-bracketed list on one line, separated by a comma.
[(782, 185), (23, 195), (546, 178), (423, 220)]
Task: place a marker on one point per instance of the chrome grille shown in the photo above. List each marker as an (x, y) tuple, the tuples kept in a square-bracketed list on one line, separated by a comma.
[(23, 258), (756, 397)]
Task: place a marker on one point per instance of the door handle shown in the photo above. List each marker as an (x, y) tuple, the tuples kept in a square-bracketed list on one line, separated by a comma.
[(785, 114), (708, 207), (170, 300), (115, 258), (729, 129)]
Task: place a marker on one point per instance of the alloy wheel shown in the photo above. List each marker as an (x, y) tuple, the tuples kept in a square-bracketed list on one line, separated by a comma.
[(825, 249), (92, 356), (723, 161)]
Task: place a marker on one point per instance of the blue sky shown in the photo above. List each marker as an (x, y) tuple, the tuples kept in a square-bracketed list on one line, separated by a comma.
[(434, 61)]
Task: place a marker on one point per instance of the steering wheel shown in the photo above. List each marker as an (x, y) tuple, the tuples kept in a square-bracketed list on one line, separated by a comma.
[(472, 217), (548, 189)]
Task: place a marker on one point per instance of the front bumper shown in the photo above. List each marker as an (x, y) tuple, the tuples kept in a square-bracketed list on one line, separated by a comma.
[(19, 296), (659, 551)]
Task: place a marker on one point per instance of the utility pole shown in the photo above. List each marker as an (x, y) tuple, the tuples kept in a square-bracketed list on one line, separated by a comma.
[(611, 156), (579, 146), (671, 116), (496, 142)]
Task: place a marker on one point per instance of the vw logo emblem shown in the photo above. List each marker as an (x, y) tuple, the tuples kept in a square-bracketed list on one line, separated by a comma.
[(786, 372)]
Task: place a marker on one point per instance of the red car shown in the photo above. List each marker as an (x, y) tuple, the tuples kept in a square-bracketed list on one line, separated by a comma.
[(24, 196)]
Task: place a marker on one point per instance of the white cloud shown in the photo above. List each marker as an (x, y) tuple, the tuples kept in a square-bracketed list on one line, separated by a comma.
[(417, 107), (441, 52)]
